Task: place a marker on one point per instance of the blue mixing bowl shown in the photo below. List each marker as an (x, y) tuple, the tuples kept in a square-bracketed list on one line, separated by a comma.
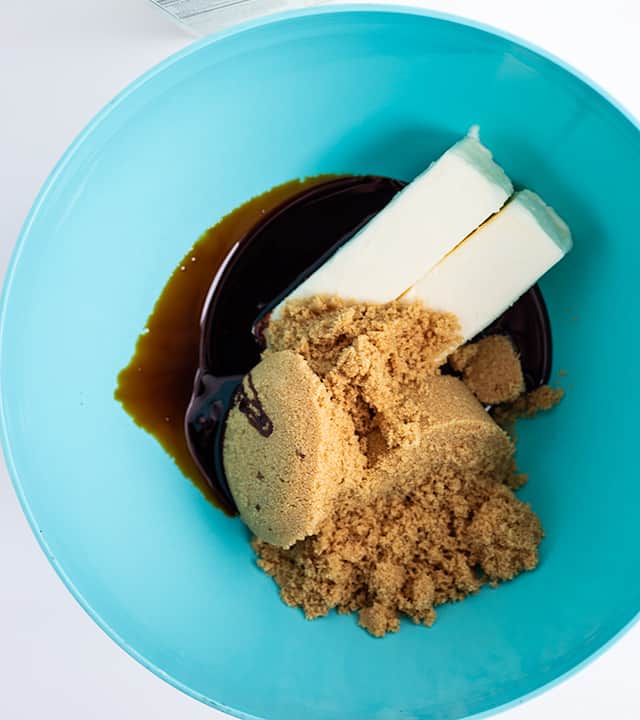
[(173, 580)]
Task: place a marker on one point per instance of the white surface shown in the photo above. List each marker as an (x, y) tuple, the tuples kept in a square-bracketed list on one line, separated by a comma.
[(59, 63), (494, 266), (424, 222)]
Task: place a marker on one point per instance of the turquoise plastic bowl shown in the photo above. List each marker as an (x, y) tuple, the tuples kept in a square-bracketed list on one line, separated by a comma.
[(172, 579)]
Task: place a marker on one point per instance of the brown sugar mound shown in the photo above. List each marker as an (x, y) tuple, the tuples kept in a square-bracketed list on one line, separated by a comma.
[(370, 357), (287, 449), (490, 369), (432, 516), (407, 553)]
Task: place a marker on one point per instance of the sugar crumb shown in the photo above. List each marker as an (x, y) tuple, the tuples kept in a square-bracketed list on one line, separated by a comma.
[(491, 369)]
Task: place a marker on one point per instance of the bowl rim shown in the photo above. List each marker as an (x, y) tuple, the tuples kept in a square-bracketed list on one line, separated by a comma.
[(58, 169)]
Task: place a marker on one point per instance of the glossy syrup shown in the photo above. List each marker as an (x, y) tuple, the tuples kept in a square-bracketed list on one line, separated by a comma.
[(156, 386)]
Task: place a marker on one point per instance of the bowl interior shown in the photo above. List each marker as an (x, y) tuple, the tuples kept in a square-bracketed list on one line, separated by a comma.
[(171, 578)]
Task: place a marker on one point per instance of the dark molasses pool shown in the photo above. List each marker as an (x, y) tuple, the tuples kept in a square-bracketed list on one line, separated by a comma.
[(206, 323)]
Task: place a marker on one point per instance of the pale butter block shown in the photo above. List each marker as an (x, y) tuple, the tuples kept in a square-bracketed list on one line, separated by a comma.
[(487, 272), (420, 225)]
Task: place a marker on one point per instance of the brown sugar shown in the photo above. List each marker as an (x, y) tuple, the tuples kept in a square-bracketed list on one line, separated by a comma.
[(288, 449), (528, 405), (370, 357), (407, 552), (419, 510), (490, 369)]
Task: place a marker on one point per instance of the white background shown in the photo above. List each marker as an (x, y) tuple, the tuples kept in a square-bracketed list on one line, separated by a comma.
[(60, 62)]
